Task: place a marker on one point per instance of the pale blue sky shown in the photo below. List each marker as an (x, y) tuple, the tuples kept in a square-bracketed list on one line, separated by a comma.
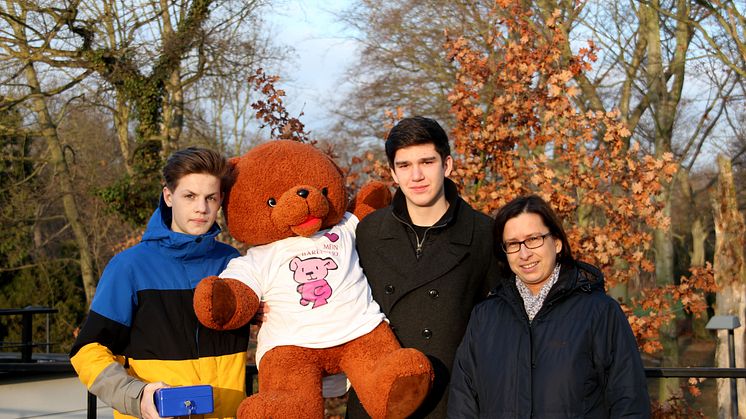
[(322, 53)]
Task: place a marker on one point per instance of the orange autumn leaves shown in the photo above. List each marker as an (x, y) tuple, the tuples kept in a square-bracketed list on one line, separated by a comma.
[(520, 128), (657, 306), (271, 110)]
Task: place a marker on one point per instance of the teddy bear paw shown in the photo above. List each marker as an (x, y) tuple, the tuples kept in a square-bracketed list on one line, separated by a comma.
[(223, 303), (407, 394)]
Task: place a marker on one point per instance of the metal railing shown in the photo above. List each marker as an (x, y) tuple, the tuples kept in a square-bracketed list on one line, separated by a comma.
[(684, 372), (251, 373), (704, 372), (61, 364), (27, 343), (695, 372)]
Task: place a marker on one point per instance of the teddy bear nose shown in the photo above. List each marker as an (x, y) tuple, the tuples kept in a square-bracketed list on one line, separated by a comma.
[(303, 193)]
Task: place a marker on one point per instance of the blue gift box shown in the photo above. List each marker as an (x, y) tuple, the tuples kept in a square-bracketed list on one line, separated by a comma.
[(183, 401)]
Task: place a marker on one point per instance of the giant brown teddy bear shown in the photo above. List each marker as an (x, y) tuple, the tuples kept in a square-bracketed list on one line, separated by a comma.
[(289, 203)]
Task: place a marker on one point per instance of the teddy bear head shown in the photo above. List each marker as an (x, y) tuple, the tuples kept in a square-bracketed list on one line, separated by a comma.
[(281, 189)]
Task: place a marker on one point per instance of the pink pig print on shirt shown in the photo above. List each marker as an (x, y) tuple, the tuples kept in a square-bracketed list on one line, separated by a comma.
[(310, 274)]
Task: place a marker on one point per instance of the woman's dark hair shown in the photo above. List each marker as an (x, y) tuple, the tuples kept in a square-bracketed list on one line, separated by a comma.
[(196, 160), (535, 205)]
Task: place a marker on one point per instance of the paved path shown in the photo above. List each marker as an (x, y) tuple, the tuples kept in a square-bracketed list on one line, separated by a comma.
[(46, 397)]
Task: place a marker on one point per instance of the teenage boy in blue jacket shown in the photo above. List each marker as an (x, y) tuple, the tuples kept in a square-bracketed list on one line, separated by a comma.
[(141, 333)]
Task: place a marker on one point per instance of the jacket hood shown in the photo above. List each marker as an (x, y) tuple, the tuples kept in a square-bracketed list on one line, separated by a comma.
[(588, 277), (574, 276), (183, 245), (578, 276)]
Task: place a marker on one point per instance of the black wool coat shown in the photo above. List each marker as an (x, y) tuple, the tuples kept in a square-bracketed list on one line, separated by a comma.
[(576, 359), (428, 299)]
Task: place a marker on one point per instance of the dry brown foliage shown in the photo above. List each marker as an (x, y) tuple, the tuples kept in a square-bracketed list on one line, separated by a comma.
[(518, 131)]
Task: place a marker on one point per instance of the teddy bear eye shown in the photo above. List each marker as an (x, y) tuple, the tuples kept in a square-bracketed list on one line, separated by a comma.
[(325, 191), (271, 202)]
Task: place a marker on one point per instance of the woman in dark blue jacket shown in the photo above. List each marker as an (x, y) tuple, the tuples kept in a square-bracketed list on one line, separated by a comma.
[(549, 343)]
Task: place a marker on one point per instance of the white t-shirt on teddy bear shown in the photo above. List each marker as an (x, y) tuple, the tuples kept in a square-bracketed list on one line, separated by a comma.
[(315, 288)]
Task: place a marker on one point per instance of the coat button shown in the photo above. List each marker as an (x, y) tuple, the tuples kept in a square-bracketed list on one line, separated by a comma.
[(427, 333), (388, 289), (433, 293)]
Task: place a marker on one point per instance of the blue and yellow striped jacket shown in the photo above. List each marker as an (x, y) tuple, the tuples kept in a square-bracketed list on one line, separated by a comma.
[(142, 322)]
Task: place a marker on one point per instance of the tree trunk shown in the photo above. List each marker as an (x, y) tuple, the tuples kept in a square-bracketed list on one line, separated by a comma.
[(699, 237), (173, 113), (62, 174), (665, 85), (173, 98), (663, 245), (697, 258), (121, 121), (730, 275)]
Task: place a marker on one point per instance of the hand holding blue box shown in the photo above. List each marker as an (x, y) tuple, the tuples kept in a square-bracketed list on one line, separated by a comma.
[(183, 401)]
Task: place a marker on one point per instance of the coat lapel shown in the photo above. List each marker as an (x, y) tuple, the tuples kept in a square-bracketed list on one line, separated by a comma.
[(394, 247), (439, 257), (443, 255)]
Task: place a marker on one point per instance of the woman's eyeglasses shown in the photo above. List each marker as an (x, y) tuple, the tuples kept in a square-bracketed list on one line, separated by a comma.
[(530, 243)]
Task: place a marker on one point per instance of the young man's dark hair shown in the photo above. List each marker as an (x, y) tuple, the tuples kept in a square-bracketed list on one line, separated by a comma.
[(414, 131)]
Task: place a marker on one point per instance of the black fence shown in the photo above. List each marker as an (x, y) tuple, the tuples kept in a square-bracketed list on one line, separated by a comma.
[(27, 344), (695, 372), (687, 372), (53, 363)]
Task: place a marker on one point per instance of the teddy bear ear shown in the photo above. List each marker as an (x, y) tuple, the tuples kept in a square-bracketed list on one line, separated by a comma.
[(233, 163), (336, 166)]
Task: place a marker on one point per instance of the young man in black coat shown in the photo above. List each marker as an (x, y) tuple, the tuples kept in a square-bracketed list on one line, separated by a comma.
[(429, 257)]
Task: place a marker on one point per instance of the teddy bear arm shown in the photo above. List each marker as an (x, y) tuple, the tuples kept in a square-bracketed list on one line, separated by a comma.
[(372, 196), (224, 303)]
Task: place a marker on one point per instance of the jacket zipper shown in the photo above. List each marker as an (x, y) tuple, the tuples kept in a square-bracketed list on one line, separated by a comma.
[(418, 251), (521, 309), (420, 243), (533, 361), (551, 299)]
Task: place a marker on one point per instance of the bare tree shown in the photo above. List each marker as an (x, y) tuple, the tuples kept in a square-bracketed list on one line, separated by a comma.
[(402, 63), (21, 49), (136, 59)]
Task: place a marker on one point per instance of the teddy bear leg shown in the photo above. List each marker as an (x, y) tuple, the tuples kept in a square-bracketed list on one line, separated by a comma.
[(289, 386), (390, 381)]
